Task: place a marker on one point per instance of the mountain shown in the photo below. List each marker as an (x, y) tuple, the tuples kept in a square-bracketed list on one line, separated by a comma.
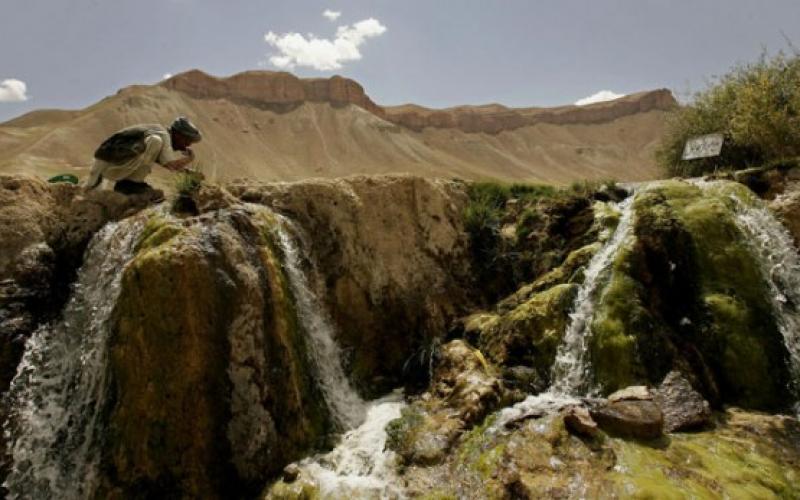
[(274, 126)]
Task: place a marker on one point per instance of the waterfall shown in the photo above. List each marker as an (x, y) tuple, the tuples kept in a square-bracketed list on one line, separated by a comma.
[(359, 466), (57, 399), (779, 260), (345, 405), (570, 372)]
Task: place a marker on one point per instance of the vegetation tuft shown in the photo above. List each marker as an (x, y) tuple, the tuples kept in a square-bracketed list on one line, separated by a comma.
[(186, 185), (755, 106), (539, 216)]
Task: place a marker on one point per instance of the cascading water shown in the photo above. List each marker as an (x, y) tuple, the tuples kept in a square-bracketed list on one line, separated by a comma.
[(778, 257), (358, 466), (344, 403), (58, 396), (570, 373)]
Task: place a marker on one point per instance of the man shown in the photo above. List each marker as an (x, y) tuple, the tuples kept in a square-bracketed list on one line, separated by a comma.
[(127, 157)]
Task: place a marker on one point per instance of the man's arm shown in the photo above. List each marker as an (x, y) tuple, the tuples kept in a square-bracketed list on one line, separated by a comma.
[(180, 163)]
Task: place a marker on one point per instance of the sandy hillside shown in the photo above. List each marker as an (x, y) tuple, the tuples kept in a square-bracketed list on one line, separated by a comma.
[(274, 126)]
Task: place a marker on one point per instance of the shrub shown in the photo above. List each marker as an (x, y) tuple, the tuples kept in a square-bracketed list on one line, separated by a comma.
[(755, 106), (187, 183)]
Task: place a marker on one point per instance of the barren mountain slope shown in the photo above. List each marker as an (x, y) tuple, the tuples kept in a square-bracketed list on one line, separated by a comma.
[(274, 126)]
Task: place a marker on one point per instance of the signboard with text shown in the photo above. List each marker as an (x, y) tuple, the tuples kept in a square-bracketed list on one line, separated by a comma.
[(703, 146)]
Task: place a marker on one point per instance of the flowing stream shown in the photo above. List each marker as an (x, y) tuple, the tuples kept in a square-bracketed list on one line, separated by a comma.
[(570, 375), (61, 388), (773, 246), (571, 372), (358, 466), (344, 403)]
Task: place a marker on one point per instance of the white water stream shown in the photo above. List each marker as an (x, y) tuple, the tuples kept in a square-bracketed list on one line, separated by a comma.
[(570, 374), (345, 405), (61, 388), (358, 467), (774, 248)]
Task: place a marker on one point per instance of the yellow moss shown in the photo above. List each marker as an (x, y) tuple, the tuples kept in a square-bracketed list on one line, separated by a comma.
[(158, 231), (300, 489), (704, 465)]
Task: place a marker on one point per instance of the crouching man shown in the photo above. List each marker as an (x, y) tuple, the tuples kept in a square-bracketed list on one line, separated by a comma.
[(127, 157)]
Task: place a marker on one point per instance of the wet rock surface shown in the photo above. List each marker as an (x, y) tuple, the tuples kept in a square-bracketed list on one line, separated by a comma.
[(641, 419), (214, 391), (464, 389), (579, 421), (684, 408), (393, 254)]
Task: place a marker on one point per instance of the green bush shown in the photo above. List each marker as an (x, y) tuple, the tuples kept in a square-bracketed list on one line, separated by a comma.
[(755, 106)]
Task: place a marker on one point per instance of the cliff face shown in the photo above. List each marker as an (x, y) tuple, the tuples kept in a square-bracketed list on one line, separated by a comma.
[(268, 88), (272, 88), (494, 119), (393, 257)]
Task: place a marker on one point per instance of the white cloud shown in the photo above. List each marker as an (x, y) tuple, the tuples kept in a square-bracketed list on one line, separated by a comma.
[(167, 76), (13, 90), (323, 54), (332, 15), (602, 96)]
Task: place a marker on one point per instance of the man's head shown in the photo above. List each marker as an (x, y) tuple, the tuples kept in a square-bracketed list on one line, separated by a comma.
[(183, 133)]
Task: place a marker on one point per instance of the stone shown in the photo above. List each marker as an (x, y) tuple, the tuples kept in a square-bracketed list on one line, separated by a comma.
[(423, 437), (640, 419), (466, 382), (683, 407), (631, 393), (290, 472), (578, 421)]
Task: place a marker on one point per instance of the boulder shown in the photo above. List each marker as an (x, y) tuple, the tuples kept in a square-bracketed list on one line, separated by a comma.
[(215, 391), (687, 292), (640, 419), (580, 422), (683, 407), (465, 381)]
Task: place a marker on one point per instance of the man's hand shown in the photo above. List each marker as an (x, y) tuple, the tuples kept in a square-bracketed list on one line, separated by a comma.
[(181, 164)]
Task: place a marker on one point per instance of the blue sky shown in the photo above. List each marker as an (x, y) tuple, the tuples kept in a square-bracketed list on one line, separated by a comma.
[(71, 53)]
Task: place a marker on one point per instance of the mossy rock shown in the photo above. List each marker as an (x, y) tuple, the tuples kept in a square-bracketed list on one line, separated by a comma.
[(213, 391), (688, 292), (422, 438), (529, 334), (301, 488), (747, 455)]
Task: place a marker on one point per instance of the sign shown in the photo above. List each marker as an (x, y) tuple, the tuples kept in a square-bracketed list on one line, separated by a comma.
[(703, 146)]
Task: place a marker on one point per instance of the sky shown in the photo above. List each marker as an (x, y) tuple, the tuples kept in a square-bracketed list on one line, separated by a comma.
[(70, 53)]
